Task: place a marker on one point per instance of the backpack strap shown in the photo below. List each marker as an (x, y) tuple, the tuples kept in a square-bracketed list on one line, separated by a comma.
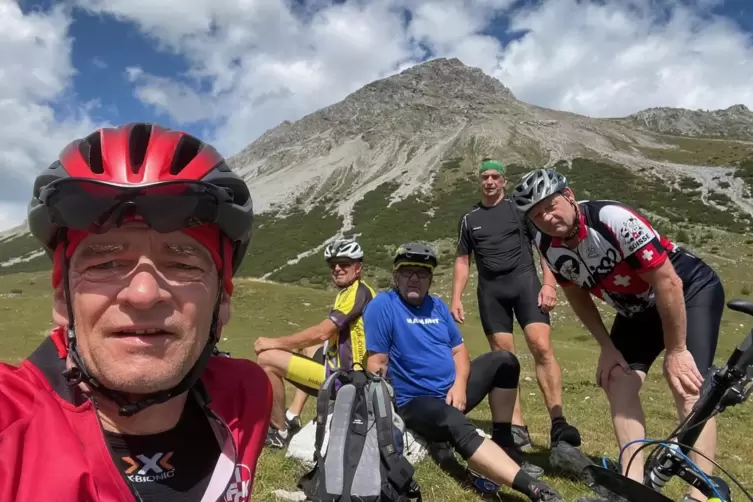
[(399, 470), (322, 410), (383, 418)]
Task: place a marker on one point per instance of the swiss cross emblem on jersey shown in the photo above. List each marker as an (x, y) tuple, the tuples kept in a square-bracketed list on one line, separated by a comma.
[(621, 280), (648, 255), (238, 489)]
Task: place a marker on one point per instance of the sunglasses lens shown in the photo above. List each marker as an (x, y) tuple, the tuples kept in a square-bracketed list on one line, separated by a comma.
[(96, 207)]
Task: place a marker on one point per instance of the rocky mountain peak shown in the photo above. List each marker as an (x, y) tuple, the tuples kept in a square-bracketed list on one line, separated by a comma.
[(739, 108), (449, 78), (735, 121), (441, 92)]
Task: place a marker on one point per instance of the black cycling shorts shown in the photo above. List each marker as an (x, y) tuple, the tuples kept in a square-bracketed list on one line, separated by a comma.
[(499, 298), (640, 339), (438, 422)]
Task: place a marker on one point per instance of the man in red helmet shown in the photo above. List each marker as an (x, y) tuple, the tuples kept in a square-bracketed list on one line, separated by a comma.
[(125, 399)]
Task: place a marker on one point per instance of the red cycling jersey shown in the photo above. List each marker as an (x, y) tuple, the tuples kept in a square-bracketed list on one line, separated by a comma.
[(52, 446), (615, 245)]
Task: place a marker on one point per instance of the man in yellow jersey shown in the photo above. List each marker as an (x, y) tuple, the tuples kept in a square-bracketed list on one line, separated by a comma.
[(342, 333)]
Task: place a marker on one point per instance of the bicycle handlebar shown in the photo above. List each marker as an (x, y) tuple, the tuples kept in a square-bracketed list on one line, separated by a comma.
[(742, 358), (725, 387), (722, 388)]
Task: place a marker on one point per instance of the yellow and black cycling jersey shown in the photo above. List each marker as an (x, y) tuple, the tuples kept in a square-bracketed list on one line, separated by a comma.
[(347, 346)]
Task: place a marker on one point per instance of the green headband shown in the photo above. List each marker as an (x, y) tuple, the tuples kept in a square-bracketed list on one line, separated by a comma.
[(493, 165)]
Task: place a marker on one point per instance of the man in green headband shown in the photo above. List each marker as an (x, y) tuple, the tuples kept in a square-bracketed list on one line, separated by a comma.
[(508, 285), (492, 165)]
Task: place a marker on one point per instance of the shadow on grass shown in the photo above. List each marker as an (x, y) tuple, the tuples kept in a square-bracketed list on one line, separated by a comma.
[(568, 463), (565, 463), (540, 455), (457, 471)]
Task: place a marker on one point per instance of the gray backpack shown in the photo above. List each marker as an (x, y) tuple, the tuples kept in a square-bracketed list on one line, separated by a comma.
[(364, 458)]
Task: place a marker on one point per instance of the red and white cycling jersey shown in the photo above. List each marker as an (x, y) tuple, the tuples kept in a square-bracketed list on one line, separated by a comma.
[(615, 245)]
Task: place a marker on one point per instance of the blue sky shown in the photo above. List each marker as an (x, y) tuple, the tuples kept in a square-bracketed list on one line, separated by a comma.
[(104, 46), (229, 70)]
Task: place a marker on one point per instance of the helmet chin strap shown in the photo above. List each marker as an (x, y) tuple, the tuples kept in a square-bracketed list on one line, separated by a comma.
[(79, 373), (576, 226)]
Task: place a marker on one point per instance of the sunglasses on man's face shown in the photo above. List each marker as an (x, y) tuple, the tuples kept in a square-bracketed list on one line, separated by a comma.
[(96, 207), (407, 272), (344, 265)]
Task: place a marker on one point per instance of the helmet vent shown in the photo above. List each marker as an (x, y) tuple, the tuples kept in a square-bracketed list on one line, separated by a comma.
[(137, 145), (91, 150), (187, 150)]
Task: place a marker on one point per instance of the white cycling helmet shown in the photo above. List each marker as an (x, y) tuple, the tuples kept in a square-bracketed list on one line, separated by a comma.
[(537, 186), (343, 248)]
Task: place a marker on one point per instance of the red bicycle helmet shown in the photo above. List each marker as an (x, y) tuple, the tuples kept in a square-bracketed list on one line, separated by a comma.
[(136, 160), (143, 155)]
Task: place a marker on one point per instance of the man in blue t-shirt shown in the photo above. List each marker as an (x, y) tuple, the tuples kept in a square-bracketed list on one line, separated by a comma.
[(413, 334)]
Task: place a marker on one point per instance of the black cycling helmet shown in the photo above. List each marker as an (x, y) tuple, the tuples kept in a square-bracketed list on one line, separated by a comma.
[(415, 253)]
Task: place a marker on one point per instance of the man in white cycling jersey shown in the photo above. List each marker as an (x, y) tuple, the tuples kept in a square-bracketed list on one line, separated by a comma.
[(665, 299)]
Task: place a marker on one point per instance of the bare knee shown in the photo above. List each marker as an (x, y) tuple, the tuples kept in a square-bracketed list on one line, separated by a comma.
[(501, 341), (274, 361), (684, 404), (540, 343), (265, 358), (622, 385), (311, 351)]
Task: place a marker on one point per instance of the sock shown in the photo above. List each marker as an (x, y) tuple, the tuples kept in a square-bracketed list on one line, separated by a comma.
[(557, 424), (289, 416), (558, 420), (283, 433), (562, 431), (502, 434), (524, 484)]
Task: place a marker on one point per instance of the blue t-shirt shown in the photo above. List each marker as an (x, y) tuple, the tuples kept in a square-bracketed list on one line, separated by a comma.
[(418, 341)]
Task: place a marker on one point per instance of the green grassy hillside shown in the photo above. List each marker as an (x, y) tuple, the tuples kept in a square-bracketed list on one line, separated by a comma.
[(677, 205), (267, 309)]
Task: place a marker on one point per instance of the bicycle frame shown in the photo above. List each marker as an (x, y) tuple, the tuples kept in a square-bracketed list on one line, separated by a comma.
[(722, 388)]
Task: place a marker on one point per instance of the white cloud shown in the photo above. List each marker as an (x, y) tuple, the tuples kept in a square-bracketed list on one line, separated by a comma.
[(11, 214), (266, 64), (617, 58), (100, 63), (263, 62), (254, 63), (163, 94), (35, 71)]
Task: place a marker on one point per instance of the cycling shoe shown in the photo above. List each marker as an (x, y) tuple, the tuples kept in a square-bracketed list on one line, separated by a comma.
[(545, 493)]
